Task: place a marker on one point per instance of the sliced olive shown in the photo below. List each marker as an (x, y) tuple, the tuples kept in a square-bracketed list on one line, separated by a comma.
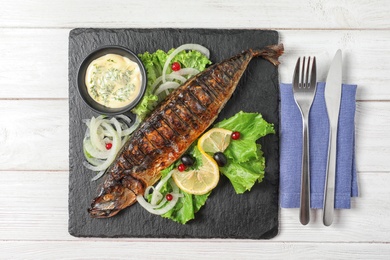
[(220, 158), (187, 160)]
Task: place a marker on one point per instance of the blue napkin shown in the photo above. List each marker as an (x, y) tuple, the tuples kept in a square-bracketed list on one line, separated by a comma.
[(291, 148)]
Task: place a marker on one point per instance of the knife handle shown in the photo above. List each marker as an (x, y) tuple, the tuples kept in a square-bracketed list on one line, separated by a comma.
[(304, 211), (329, 192)]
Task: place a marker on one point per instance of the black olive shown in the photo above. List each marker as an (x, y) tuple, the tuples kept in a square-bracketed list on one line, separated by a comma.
[(187, 160), (220, 158)]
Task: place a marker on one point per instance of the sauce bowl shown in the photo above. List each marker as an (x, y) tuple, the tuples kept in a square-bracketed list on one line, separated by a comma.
[(82, 88)]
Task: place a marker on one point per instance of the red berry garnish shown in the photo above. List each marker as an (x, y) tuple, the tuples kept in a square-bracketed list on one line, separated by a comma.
[(236, 135), (169, 197), (108, 146), (181, 167), (176, 66)]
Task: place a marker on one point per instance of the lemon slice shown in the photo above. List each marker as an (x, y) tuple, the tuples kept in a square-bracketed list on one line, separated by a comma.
[(214, 140), (202, 180), (198, 181)]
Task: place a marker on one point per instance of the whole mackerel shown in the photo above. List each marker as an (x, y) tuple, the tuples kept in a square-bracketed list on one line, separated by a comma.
[(170, 130)]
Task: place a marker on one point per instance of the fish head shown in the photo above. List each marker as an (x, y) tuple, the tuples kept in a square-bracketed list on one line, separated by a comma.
[(111, 201)]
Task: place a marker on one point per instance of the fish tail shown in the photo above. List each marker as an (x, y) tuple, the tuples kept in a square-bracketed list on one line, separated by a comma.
[(270, 53)]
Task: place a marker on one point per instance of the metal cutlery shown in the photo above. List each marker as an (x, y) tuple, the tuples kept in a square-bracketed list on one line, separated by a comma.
[(304, 88), (332, 100)]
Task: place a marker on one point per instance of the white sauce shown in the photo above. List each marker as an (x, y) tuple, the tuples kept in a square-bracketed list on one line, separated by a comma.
[(113, 80)]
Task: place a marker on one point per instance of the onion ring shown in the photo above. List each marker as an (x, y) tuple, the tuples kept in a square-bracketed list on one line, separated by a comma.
[(100, 131), (183, 47)]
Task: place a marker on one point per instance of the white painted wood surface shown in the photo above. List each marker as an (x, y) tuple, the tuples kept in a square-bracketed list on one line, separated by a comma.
[(34, 123)]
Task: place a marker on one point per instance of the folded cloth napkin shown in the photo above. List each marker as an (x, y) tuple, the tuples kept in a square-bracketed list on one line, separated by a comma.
[(291, 149)]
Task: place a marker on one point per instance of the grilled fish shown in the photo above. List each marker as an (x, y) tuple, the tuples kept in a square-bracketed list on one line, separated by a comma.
[(170, 129)]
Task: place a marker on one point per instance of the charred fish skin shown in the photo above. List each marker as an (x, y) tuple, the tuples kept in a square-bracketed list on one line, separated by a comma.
[(170, 130)]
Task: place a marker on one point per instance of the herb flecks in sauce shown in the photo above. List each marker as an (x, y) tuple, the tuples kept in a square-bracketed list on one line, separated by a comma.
[(113, 80)]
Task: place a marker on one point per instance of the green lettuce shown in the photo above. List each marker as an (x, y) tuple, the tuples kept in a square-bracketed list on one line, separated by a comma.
[(154, 64), (246, 163)]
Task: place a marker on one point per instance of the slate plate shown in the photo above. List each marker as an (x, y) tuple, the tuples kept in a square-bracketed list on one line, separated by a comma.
[(253, 215)]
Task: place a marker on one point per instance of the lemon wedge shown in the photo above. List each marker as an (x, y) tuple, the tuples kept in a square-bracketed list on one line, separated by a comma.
[(214, 140)]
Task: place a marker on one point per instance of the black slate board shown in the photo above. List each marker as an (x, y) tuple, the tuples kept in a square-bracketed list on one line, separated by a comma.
[(253, 215)]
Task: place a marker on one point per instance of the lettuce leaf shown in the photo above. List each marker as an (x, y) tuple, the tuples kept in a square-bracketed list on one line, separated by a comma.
[(154, 64), (244, 175), (186, 207), (251, 126), (246, 163)]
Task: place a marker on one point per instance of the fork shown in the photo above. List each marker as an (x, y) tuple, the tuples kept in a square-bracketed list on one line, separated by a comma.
[(304, 88)]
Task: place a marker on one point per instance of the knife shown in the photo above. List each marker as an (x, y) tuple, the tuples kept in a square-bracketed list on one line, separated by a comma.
[(332, 101)]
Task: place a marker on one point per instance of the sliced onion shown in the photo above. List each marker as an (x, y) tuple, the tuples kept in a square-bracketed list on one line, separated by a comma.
[(159, 211), (170, 77), (96, 133), (183, 47), (187, 71), (98, 176), (147, 191), (102, 130), (92, 160), (129, 131), (166, 86), (157, 196), (126, 119), (163, 205), (92, 151), (163, 181), (176, 76), (116, 145), (117, 125)]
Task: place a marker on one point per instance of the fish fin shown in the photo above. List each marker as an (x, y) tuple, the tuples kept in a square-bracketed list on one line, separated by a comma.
[(270, 53)]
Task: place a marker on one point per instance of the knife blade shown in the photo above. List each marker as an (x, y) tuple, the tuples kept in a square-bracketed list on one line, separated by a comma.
[(332, 101)]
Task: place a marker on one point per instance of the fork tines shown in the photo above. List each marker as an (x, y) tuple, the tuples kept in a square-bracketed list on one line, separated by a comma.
[(306, 69)]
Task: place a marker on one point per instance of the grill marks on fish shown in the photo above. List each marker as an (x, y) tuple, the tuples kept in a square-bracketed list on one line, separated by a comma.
[(185, 115), (175, 121), (154, 137), (145, 145), (203, 94), (135, 154), (164, 130), (171, 128), (121, 165)]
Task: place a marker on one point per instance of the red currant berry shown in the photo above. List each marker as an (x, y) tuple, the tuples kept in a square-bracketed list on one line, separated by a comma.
[(108, 146), (181, 167), (176, 66), (169, 197), (236, 135)]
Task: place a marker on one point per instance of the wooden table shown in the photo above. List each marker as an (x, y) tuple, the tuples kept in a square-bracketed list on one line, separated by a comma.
[(34, 122)]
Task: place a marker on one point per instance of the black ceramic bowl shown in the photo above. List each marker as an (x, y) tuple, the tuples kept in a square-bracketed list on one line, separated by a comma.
[(82, 88)]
